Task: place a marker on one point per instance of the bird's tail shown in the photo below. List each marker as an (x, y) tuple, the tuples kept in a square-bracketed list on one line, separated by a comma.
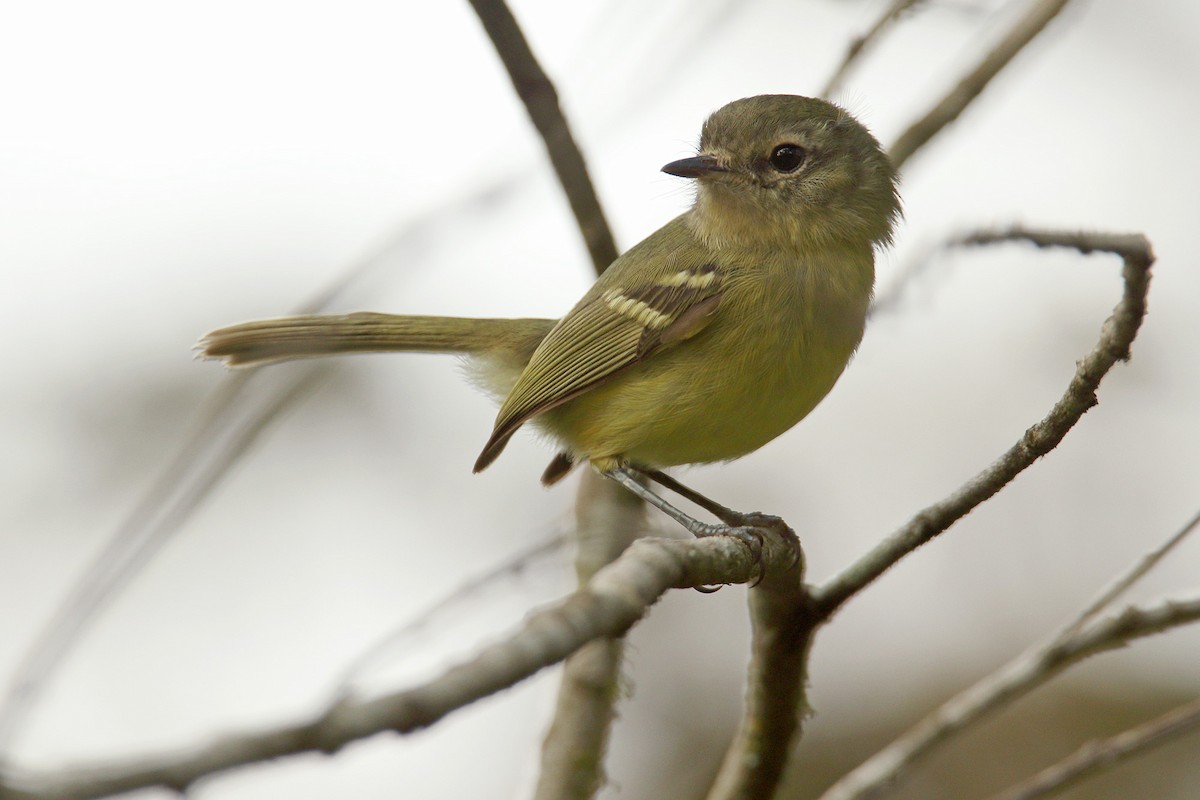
[(507, 341)]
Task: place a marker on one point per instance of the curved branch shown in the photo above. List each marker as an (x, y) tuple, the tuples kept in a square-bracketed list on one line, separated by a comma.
[(1116, 336)]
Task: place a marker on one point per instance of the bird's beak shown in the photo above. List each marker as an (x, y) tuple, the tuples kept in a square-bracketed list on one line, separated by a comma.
[(695, 167)]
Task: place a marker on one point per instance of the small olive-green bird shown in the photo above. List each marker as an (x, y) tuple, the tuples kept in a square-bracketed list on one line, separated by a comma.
[(702, 343)]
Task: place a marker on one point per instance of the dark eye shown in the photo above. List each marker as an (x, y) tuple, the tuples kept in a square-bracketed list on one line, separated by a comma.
[(787, 157)]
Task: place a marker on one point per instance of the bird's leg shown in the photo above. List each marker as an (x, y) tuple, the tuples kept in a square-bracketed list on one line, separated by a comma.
[(723, 513), (627, 477), (748, 527), (733, 519)]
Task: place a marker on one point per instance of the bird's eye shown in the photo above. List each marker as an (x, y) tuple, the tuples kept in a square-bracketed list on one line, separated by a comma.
[(787, 157)]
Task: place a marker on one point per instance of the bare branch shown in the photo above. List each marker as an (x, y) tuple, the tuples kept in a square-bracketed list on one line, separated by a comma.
[(1019, 677), (1104, 753), (859, 45), (468, 589), (1122, 583), (541, 101), (218, 441), (612, 601), (608, 519), (1040, 13), (1116, 336), (783, 623), (890, 299), (572, 753)]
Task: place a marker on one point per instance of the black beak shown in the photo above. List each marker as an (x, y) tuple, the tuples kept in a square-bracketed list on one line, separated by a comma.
[(696, 167)]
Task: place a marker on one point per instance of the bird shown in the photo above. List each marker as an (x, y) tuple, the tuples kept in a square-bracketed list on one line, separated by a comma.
[(709, 338)]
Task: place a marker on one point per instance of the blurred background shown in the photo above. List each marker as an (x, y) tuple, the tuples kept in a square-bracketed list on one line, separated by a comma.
[(168, 168)]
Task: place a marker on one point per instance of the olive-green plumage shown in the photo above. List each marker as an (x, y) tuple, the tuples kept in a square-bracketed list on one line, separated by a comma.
[(711, 337)]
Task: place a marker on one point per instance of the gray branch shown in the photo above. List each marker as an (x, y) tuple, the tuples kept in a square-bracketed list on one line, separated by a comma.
[(608, 519), (860, 45), (607, 606), (1116, 336), (974, 82), (1104, 753), (1021, 676)]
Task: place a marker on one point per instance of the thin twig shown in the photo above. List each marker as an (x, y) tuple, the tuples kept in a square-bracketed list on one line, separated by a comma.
[(469, 588), (1028, 671), (1116, 336), (541, 101), (1039, 15), (217, 442), (1104, 753), (859, 45), (1123, 582), (891, 299), (610, 603)]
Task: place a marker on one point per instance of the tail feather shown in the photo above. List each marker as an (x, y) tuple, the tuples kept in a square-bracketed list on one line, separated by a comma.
[(502, 346), (271, 340)]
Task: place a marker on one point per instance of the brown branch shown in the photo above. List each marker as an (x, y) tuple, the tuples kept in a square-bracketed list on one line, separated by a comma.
[(1104, 753), (1039, 15), (541, 101), (859, 45), (1116, 336), (610, 603)]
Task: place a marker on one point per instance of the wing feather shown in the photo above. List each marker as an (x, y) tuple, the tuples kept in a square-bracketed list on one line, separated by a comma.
[(609, 330)]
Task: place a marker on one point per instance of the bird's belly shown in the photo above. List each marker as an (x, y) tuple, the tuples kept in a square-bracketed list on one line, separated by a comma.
[(715, 398)]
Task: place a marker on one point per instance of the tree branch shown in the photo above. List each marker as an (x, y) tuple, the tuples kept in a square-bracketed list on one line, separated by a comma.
[(859, 45), (607, 606), (1135, 573), (608, 519), (783, 622), (1040, 13), (1116, 336), (1104, 753), (541, 101), (1019, 677)]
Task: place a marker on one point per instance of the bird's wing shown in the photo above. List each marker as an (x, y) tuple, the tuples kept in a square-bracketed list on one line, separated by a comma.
[(618, 324)]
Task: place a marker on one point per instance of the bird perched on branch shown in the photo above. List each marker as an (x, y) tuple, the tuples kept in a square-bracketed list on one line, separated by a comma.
[(705, 341)]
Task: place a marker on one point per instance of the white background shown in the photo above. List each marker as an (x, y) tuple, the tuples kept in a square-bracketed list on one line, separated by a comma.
[(167, 168)]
